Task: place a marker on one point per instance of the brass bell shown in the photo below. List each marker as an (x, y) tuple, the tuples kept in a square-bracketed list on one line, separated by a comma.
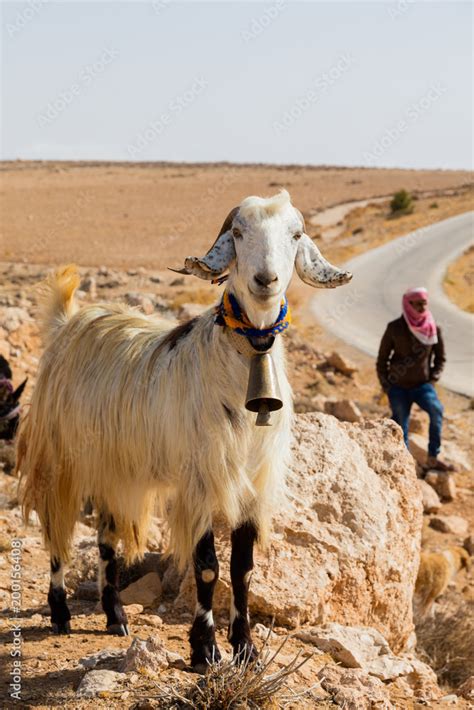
[(263, 392)]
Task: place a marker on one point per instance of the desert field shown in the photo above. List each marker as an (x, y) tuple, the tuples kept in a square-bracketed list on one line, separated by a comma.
[(124, 225), (153, 214)]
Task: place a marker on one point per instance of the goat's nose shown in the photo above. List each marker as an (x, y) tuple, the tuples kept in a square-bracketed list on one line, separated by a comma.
[(265, 278)]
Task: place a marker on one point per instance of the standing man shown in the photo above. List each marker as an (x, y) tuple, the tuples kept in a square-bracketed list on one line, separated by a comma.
[(411, 358)]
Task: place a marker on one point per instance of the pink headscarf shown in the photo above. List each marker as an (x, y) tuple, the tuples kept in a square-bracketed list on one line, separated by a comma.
[(422, 325)]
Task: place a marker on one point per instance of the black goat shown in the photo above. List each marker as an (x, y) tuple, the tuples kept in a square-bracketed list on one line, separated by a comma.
[(9, 401)]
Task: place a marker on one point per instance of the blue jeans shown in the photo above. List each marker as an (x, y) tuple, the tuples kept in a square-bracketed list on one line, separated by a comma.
[(424, 396)]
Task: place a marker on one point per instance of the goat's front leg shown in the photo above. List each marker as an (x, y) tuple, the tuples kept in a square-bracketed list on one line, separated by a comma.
[(117, 622), (60, 614), (241, 565), (202, 635)]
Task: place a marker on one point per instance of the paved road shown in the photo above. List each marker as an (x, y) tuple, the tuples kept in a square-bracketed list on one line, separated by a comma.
[(359, 312)]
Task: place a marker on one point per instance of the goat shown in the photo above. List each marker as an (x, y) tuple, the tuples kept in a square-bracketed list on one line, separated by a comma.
[(167, 422), (9, 401), (436, 571)]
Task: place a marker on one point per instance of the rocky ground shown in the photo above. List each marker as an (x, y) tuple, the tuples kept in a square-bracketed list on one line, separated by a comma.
[(339, 575), (345, 545)]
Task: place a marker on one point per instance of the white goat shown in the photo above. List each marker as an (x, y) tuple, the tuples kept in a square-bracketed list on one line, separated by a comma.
[(130, 413)]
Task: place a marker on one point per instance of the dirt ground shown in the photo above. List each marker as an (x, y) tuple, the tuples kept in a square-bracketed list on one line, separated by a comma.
[(459, 281), (136, 220), (151, 214)]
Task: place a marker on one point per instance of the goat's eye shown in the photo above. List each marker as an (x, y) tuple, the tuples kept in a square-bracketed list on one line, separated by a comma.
[(237, 233), (297, 236)]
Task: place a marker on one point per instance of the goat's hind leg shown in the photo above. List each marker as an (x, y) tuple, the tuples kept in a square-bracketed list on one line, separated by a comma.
[(117, 622), (202, 635), (60, 614)]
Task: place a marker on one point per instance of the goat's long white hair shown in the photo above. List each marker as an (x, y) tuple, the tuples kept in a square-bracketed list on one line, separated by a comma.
[(135, 418)]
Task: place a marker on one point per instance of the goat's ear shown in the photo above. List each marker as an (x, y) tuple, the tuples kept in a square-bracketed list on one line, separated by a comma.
[(216, 261), (314, 269), (218, 258), (19, 391)]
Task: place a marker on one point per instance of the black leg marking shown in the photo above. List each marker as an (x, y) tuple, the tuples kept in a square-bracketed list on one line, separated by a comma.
[(60, 614), (241, 565), (117, 622), (202, 635)]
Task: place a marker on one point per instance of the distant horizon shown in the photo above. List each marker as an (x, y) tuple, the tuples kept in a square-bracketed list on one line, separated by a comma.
[(255, 164)]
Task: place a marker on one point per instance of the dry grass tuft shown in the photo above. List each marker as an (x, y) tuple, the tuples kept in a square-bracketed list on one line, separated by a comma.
[(195, 294), (445, 641), (459, 281), (248, 685)]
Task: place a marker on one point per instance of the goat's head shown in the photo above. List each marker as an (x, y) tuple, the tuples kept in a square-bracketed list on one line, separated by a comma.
[(259, 243)]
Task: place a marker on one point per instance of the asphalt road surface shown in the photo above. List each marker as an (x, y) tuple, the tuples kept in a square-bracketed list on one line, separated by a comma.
[(359, 312)]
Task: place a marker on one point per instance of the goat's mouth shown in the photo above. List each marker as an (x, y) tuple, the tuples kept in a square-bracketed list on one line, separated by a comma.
[(264, 295)]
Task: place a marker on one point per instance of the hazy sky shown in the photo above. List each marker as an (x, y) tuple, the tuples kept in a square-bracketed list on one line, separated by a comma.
[(340, 83)]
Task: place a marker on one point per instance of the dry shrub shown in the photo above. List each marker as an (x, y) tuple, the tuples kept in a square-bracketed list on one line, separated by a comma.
[(401, 203), (248, 685), (445, 640)]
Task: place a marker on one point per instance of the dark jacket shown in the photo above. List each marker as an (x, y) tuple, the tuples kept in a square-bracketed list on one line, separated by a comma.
[(404, 361)]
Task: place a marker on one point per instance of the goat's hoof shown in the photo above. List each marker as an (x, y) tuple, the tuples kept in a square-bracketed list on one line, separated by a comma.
[(201, 659), (118, 630), (62, 628), (200, 668)]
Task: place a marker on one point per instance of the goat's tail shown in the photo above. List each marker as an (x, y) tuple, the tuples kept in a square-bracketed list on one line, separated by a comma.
[(57, 299)]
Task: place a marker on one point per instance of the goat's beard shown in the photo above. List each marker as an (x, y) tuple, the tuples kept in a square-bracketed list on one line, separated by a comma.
[(261, 313)]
